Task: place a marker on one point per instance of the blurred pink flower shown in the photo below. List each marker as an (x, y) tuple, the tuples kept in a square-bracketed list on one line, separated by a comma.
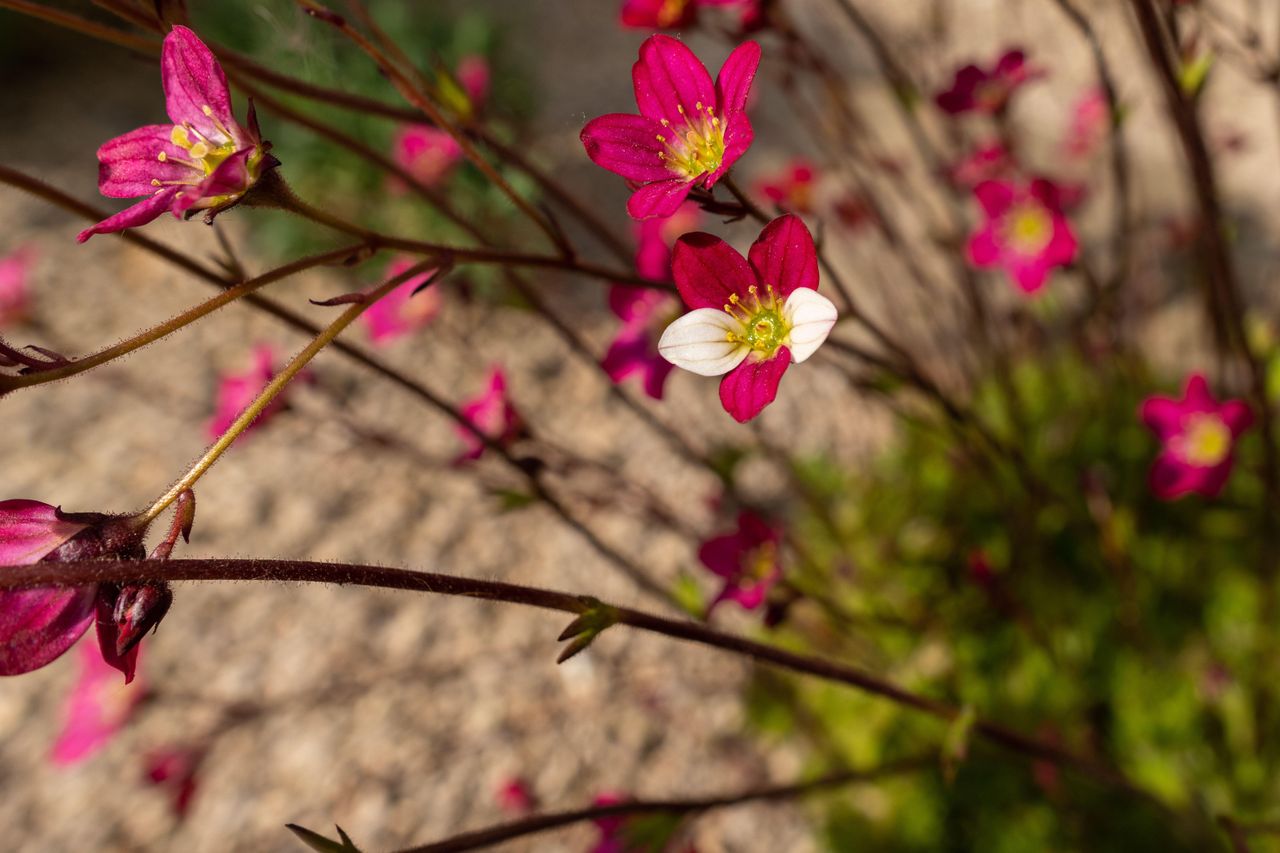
[(15, 298), (493, 414), (237, 390), (791, 189), (97, 708), (976, 89), (646, 312), (668, 14), (401, 311), (205, 160), (1090, 118), (474, 76), (1025, 232), (749, 318), (174, 768), (515, 796), (427, 153), (987, 162), (1198, 435), (38, 625), (746, 559), (689, 131)]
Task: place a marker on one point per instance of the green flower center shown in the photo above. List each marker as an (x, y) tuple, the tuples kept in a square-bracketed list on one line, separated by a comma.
[(698, 147), (1205, 441), (762, 326)]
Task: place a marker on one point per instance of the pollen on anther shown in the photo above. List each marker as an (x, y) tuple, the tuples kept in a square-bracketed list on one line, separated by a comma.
[(207, 110), (664, 122), (661, 138), (155, 182), (162, 156)]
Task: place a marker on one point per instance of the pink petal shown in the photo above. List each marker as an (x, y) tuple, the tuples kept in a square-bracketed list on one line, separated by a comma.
[(229, 180), (627, 145), (752, 385), (97, 708), (30, 530), (1237, 415), (108, 639), (193, 80), (1162, 416), (653, 254), (733, 83), (723, 555), (626, 354), (659, 199), (633, 304), (129, 163), (1197, 396), (1011, 63), (738, 137), (708, 271), (995, 196), (1212, 480), (131, 217), (1171, 478), (983, 249), (1062, 246), (784, 256), (669, 77), (1029, 274), (1047, 193), (39, 625)]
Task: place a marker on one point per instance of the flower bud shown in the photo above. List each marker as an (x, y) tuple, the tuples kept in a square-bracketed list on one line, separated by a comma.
[(138, 609)]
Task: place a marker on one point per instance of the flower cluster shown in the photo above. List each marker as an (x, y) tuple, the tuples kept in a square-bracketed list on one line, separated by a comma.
[(987, 91), (1198, 435), (1025, 232)]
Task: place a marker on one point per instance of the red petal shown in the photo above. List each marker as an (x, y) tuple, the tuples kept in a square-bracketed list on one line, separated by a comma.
[(752, 385), (669, 77), (784, 256), (733, 84), (708, 271), (627, 145), (193, 80)]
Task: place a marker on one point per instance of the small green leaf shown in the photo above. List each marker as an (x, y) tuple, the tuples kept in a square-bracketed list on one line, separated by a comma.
[(319, 843), (1191, 75), (688, 595)]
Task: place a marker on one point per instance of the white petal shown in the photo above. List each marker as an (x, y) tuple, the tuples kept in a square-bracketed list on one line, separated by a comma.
[(811, 316), (699, 342)]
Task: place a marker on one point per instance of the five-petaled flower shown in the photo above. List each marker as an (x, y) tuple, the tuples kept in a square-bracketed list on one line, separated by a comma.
[(746, 559), (646, 312), (205, 160), (750, 318), (985, 91), (689, 131), (97, 708), (492, 414), (15, 269), (1198, 435), (402, 311), (1025, 232)]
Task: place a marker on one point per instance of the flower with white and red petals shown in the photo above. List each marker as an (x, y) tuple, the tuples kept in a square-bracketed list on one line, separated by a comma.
[(1025, 232), (980, 90), (792, 189), (751, 317), (97, 708), (747, 560), (205, 160), (492, 414), (15, 271), (689, 131), (402, 311), (1198, 435)]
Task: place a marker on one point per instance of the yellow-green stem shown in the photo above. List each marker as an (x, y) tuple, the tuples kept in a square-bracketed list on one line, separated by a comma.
[(273, 389)]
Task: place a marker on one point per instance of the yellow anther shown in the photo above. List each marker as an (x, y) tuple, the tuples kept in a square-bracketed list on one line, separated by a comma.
[(179, 136), (661, 138), (664, 122), (680, 108), (698, 106), (162, 156), (200, 150), (155, 182)]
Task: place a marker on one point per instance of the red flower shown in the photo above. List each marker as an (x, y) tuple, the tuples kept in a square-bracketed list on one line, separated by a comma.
[(97, 708), (689, 131), (747, 560), (402, 311), (493, 414), (1025, 232), (668, 14), (978, 90), (15, 270), (205, 160), (1199, 435), (749, 320), (427, 153), (791, 189)]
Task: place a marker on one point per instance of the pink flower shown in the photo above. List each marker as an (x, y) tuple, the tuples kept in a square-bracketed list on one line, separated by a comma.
[(174, 769), (644, 312), (474, 76), (237, 390), (792, 188), (689, 131), (38, 625), (493, 414), (750, 319), (985, 163), (747, 560), (666, 14), (402, 311), (15, 269), (1198, 435), (1025, 232), (97, 707), (514, 796), (1089, 120), (205, 160), (979, 90), (427, 153)]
